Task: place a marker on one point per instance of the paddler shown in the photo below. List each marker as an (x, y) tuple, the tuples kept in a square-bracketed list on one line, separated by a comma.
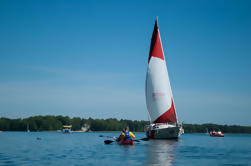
[(126, 135)]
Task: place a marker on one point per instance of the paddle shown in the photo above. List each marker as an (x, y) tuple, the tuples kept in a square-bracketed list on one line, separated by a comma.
[(144, 139), (137, 140), (105, 136), (108, 141)]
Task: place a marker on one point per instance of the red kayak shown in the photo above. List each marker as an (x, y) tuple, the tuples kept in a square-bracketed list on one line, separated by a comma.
[(126, 142)]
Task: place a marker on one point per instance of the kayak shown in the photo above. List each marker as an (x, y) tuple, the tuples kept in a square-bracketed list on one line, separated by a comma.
[(126, 142)]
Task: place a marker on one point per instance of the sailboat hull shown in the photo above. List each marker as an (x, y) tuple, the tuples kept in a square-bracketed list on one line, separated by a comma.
[(163, 131)]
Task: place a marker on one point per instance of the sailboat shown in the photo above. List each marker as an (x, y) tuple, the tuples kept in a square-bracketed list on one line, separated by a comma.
[(27, 128), (159, 97)]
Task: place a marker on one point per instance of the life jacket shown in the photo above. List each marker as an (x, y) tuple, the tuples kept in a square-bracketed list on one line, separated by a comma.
[(127, 136)]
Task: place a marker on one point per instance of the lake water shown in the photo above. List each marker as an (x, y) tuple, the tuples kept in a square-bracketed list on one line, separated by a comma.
[(22, 148)]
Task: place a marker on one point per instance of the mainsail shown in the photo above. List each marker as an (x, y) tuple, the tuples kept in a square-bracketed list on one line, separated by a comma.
[(159, 97)]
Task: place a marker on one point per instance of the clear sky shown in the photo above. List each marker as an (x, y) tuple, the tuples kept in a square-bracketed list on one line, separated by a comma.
[(89, 58)]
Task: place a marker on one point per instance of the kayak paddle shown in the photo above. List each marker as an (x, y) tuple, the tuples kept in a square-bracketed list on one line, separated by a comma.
[(144, 139), (105, 136), (108, 141)]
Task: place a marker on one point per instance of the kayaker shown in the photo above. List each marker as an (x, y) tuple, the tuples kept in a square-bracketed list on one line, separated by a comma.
[(126, 135), (122, 135)]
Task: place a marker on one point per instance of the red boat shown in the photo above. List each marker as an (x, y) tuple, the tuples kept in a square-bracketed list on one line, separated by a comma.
[(216, 134), (126, 142)]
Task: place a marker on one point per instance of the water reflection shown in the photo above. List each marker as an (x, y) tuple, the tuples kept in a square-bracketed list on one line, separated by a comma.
[(161, 152)]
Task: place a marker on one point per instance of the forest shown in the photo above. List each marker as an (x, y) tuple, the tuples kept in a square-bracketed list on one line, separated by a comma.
[(53, 123)]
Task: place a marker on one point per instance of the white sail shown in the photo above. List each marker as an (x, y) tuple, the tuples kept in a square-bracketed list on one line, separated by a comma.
[(159, 98)]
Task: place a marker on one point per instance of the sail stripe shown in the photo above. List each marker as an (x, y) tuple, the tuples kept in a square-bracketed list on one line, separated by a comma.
[(168, 116), (156, 46)]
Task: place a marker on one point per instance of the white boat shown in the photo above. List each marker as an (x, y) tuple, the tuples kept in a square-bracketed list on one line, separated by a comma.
[(27, 127), (159, 97)]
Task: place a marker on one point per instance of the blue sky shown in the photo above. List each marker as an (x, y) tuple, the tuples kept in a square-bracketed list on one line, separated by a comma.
[(89, 58)]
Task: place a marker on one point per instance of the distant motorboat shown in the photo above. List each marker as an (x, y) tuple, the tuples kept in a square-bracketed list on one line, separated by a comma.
[(216, 134)]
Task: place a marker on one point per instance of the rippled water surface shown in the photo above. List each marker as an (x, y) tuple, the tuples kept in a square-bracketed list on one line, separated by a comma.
[(21, 148)]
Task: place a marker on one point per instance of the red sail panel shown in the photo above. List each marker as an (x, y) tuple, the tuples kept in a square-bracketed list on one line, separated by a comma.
[(168, 116), (156, 46)]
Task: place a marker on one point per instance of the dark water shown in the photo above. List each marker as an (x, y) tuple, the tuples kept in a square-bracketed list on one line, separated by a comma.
[(21, 148)]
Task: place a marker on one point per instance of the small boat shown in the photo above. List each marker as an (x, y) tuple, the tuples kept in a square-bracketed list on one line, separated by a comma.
[(66, 129), (216, 134), (126, 142), (28, 130)]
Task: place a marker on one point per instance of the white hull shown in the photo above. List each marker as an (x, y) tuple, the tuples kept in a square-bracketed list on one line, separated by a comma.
[(164, 131)]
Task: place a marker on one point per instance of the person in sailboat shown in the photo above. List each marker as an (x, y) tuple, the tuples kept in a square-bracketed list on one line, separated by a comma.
[(125, 135)]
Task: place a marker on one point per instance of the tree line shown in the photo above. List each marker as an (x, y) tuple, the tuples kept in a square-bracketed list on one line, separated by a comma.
[(52, 123)]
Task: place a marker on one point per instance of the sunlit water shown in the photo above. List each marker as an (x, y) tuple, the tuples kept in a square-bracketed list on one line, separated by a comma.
[(21, 148)]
